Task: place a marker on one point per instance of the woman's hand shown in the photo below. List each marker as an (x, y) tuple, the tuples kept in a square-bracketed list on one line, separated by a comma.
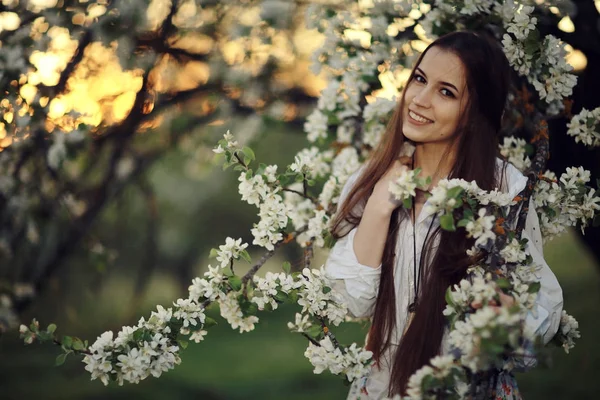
[(381, 198)]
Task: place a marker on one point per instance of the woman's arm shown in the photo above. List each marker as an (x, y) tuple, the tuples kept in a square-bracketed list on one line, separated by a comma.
[(371, 235), (354, 263)]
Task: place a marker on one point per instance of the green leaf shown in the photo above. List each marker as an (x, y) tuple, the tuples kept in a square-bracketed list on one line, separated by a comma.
[(463, 222), (51, 328), (138, 335), (314, 331), (454, 192), (281, 297), (208, 322), (77, 344), (287, 267), (251, 309), (503, 283), (534, 287), (407, 203), (235, 282), (183, 343), (284, 180), (245, 255), (249, 153), (60, 360), (326, 289), (447, 222), (261, 168), (67, 342), (213, 253), (449, 297)]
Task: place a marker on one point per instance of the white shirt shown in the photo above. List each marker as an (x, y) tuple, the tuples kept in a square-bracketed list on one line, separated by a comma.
[(358, 284)]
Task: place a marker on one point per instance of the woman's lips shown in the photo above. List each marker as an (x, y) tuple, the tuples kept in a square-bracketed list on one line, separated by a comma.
[(415, 121)]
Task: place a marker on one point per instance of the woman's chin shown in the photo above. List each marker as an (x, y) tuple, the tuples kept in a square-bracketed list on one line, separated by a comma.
[(410, 134)]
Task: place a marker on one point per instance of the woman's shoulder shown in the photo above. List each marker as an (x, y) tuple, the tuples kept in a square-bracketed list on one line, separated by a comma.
[(510, 179)]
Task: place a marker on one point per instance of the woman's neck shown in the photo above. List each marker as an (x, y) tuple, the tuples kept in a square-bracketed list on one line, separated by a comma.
[(434, 159)]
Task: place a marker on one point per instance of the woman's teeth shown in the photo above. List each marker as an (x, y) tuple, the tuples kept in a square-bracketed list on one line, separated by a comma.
[(418, 117)]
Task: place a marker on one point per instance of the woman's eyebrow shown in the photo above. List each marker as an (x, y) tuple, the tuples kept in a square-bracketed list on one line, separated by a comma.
[(443, 83)]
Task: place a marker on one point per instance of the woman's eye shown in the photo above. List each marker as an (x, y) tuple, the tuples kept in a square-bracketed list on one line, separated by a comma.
[(447, 92), (419, 78)]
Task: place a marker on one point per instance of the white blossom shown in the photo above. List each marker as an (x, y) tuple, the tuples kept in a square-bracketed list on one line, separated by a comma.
[(515, 52), (345, 164), (585, 127), (327, 357), (522, 24), (481, 228), (253, 189), (231, 311), (229, 251), (316, 126), (404, 186), (514, 150), (568, 331), (312, 162), (513, 253), (189, 312), (273, 218), (314, 301), (301, 323)]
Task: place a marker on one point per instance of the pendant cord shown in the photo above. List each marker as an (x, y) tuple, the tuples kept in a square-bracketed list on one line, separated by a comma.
[(417, 277)]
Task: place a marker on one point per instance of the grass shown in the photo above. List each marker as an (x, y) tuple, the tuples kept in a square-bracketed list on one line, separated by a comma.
[(269, 363)]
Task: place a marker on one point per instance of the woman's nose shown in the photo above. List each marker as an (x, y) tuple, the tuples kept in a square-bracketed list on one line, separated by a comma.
[(422, 98)]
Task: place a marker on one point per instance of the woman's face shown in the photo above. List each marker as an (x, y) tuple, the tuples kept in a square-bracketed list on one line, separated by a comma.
[(435, 98)]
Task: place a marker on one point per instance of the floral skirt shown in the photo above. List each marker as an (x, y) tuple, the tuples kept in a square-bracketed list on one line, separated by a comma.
[(506, 389)]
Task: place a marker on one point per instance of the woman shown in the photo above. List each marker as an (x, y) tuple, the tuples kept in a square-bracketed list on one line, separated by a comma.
[(393, 264)]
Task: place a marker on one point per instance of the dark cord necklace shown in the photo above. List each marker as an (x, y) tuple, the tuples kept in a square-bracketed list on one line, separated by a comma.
[(417, 278)]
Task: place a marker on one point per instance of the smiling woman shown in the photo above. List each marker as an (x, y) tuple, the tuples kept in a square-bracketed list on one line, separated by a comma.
[(395, 265), (435, 98)]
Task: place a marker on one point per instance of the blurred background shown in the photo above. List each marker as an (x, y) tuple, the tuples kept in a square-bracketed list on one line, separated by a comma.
[(171, 203)]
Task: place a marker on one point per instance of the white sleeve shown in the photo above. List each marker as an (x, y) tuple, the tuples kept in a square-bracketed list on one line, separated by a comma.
[(358, 284), (549, 301)]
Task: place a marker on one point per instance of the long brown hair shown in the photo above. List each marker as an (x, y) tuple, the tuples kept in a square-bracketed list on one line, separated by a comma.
[(476, 147)]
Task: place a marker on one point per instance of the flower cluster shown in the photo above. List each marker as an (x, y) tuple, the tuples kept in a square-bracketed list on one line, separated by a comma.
[(233, 314), (443, 378), (585, 127), (146, 349), (564, 202), (231, 250), (481, 228), (273, 219), (469, 295), (515, 151), (449, 193), (312, 162), (271, 286), (375, 115), (542, 62), (226, 144), (404, 186), (485, 336), (568, 331), (353, 361), (318, 299), (301, 323)]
